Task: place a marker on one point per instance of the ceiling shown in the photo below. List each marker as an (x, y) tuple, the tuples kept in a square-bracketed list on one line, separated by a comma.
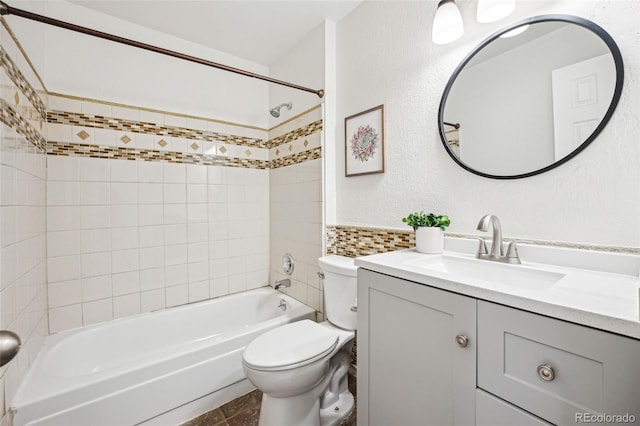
[(257, 30)]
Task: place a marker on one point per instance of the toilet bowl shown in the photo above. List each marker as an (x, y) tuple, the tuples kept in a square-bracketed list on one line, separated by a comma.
[(302, 368)]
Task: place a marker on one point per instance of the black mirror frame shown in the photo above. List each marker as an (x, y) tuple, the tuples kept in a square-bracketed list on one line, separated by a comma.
[(599, 31)]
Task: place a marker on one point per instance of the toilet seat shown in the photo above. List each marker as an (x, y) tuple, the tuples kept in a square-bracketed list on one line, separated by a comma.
[(290, 346)]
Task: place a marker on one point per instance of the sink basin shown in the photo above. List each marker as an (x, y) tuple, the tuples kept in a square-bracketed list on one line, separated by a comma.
[(490, 273)]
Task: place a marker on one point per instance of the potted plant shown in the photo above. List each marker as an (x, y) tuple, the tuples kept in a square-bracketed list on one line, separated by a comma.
[(429, 231)]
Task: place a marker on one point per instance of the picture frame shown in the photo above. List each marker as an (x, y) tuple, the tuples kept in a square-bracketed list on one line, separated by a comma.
[(364, 142)]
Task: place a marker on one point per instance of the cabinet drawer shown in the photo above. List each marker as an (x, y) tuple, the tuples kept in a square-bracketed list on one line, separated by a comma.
[(492, 411), (555, 369)]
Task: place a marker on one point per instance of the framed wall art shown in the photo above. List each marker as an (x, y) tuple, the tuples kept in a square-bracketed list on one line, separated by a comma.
[(364, 142)]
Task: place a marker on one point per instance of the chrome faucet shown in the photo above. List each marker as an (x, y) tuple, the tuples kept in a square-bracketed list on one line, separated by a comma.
[(497, 252), (282, 283)]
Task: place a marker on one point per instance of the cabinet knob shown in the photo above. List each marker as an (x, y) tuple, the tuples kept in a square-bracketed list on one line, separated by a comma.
[(462, 341), (546, 373)]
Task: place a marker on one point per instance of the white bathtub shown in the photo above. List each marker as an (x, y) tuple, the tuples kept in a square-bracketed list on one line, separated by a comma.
[(132, 370)]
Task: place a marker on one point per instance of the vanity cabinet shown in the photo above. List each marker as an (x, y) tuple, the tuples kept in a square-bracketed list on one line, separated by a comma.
[(416, 353), (517, 367)]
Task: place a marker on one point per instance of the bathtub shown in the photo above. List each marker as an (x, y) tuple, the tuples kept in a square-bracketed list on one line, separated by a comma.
[(137, 369)]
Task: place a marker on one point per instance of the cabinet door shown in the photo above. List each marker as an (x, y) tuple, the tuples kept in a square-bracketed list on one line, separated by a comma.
[(411, 370)]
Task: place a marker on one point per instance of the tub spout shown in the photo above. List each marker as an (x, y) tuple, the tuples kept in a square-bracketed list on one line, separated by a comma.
[(282, 283)]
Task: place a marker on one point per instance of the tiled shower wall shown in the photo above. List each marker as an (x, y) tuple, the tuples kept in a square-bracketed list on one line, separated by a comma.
[(149, 210), (296, 205), (23, 292)]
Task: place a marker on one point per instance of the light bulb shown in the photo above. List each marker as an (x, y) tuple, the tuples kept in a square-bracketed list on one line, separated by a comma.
[(447, 23)]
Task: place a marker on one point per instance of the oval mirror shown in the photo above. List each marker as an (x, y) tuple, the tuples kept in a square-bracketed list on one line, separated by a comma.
[(530, 97)]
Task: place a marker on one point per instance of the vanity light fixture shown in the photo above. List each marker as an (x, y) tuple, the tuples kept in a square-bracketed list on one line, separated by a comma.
[(447, 23), (494, 10)]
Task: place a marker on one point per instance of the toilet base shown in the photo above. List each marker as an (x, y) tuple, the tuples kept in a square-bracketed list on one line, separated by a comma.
[(335, 413)]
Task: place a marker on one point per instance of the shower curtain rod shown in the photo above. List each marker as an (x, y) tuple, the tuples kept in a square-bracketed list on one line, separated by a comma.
[(5, 9)]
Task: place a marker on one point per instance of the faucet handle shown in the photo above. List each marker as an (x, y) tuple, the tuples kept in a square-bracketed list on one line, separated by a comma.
[(512, 253), (482, 246)]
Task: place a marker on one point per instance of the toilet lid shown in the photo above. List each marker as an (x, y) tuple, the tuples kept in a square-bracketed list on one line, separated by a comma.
[(290, 344)]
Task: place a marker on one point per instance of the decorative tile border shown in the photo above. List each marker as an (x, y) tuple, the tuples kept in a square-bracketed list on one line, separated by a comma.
[(300, 132), (354, 241), (21, 82), (14, 120), (96, 121), (112, 152), (300, 157)]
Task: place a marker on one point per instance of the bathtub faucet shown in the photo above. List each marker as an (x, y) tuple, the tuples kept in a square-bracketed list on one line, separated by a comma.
[(283, 283)]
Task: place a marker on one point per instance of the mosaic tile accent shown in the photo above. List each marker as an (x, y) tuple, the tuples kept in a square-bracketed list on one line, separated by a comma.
[(301, 157), (101, 151), (300, 132), (21, 82), (14, 120), (96, 121), (354, 241)]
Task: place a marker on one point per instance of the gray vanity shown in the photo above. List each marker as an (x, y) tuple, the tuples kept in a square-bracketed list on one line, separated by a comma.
[(453, 340)]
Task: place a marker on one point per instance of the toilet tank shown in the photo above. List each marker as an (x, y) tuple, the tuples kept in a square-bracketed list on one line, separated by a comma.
[(340, 290)]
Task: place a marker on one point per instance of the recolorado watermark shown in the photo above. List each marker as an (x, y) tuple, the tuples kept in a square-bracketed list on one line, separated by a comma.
[(605, 418)]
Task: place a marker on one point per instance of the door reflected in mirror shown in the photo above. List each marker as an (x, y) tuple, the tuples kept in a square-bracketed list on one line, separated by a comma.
[(531, 97)]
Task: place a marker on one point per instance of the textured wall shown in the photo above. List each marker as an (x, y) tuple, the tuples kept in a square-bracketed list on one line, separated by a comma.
[(593, 199)]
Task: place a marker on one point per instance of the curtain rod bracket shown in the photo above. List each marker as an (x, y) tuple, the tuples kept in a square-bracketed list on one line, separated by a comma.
[(5, 9)]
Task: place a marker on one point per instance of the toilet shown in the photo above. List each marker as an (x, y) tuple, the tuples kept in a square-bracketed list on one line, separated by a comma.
[(301, 368)]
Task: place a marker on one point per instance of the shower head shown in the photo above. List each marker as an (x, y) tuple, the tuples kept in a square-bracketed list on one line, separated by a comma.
[(275, 111)]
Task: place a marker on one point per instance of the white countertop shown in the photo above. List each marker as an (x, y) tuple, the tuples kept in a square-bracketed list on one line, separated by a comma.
[(599, 290)]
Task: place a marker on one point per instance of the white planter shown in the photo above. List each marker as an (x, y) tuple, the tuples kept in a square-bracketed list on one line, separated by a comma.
[(429, 240)]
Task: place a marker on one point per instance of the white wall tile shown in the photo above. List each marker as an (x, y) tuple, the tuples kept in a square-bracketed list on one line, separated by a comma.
[(96, 108), (175, 234), (176, 274), (150, 193), (63, 243), (123, 170), (174, 193), (216, 175), (94, 193), (124, 193), (152, 300), (198, 291), (218, 287), (150, 214), (197, 232), (125, 283), (148, 171), (94, 264), (124, 306), (125, 215), (196, 193), (125, 260), (95, 240), (94, 169), (59, 132), (177, 295), (95, 288), (175, 213), (97, 311), (176, 254), (124, 238), (62, 168), (198, 271), (152, 257), (65, 318), (63, 193), (104, 137), (196, 174), (174, 173), (216, 193), (152, 279), (151, 236), (237, 283), (63, 268), (197, 213), (198, 252), (64, 293), (92, 217)]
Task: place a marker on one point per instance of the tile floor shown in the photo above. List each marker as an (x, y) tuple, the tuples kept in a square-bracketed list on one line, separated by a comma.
[(245, 411)]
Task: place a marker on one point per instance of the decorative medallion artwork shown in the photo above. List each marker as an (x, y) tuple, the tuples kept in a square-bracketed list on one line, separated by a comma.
[(364, 142)]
